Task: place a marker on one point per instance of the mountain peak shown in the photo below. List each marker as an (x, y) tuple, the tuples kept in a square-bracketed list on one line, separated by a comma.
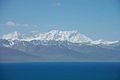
[(12, 36), (57, 35), (73, 36)]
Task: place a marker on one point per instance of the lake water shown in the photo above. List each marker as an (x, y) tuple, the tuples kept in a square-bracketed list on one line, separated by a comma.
[(60, 71)]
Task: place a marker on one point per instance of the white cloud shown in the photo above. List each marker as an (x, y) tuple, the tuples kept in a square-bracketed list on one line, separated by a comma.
[(28, 25), (10, 23), (13, 24)]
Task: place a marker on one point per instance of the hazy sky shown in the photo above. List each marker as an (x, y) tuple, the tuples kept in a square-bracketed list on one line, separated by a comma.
[(97, 19)]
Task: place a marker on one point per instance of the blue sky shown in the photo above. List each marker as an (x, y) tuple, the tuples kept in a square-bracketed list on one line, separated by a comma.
[(97, 19)]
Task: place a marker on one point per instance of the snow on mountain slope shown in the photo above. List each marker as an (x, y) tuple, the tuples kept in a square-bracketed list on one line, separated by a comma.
[(70, 36), (56, 35), (104, 42), (12, 36)]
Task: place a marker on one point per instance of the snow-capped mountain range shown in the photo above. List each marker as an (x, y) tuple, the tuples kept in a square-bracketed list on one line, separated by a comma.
[(56, 35), (56, 45)]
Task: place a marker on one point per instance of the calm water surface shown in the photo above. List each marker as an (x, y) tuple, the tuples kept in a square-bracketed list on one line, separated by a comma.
[(60, 71)]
